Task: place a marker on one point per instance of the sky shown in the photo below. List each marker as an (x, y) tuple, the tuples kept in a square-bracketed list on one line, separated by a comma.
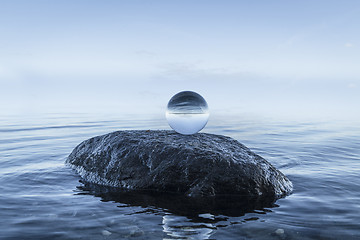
[(291, 58)]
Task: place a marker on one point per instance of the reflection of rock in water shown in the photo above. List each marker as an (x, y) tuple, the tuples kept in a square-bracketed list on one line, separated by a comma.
[(226, 205), (184, 217)]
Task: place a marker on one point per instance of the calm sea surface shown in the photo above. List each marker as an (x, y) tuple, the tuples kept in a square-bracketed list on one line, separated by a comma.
[(41, 198)]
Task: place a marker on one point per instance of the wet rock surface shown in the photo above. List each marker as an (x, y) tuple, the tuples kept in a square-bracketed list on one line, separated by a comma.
[(165, 161)]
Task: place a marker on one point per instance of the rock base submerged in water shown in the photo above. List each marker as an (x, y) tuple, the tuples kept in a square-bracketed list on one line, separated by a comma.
[(195, 165)]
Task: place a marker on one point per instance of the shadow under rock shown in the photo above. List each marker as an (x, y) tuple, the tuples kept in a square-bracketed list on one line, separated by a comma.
[(190, 207)]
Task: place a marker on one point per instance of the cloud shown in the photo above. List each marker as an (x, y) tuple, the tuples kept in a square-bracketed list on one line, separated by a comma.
[(351, 85), (349, 45)]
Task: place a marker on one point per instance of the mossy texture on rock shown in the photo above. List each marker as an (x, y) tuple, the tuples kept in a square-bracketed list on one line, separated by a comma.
[(195, 165)]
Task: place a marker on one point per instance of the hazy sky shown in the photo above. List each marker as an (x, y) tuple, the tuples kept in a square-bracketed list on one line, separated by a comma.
[(293, 57)]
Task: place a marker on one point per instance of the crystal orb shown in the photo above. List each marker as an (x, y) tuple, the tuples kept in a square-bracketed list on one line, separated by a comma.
[(187, 112)]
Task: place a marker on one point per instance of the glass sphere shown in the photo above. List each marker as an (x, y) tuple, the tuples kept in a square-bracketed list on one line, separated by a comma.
[(187, 112)]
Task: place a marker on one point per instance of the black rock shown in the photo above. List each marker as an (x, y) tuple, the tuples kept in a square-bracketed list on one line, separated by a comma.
[(195, 165)]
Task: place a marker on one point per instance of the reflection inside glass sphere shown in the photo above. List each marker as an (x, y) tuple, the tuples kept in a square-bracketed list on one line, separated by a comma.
[(187, 112)]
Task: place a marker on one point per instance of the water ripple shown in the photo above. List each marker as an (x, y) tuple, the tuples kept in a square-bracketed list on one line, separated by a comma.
[(43, 199)]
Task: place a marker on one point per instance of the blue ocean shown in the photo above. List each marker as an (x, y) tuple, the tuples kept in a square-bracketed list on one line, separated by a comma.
[(42, 198)]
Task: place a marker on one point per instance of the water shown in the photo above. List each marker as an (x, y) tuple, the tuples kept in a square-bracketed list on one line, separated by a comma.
[(41, 198)]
